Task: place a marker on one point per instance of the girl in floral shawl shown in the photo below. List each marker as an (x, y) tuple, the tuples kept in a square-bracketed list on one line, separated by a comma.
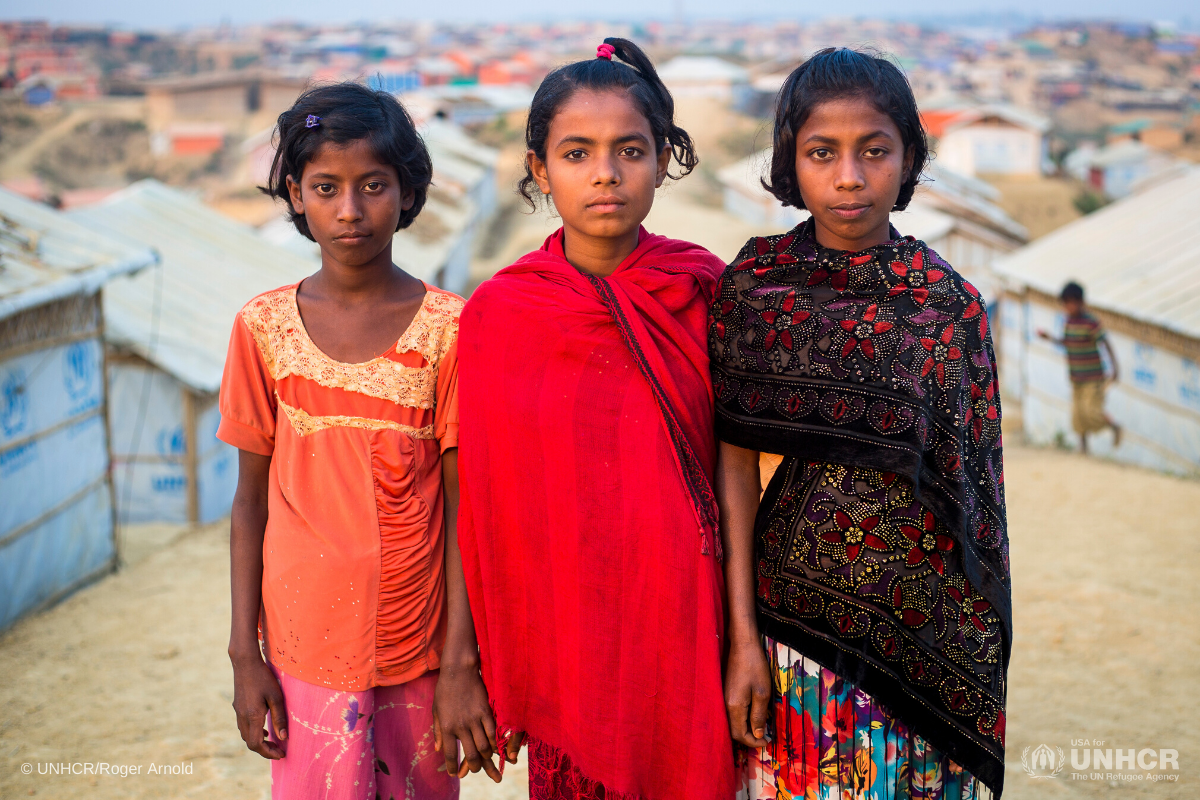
[(869, 597)]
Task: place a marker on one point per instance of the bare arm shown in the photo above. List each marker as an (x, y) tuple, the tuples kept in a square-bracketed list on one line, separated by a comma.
[(1048, 337), (747, 676), (460, 708), (255, 689)]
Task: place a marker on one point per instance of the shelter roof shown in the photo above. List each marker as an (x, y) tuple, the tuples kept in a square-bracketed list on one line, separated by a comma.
[(1139, 257), (178, 317), (46, 256), (696, 69)]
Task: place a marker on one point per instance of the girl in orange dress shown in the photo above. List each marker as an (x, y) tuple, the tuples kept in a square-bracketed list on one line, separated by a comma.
[(341, 394)]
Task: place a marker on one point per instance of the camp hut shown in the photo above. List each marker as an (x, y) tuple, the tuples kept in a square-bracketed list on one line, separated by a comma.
[(1139, 263), (167, 335), (996, 139), (56, 511), (704, 76)]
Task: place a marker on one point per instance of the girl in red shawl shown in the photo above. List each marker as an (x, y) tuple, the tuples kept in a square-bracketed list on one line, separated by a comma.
[(589, 564)]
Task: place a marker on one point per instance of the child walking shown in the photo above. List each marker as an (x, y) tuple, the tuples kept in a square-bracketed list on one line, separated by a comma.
[(875, 566), (588, 524), (1082, 338), (341, 394)]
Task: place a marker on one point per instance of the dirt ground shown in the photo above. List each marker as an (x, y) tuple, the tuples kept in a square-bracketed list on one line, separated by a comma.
[(1041, 204), (132, 670)]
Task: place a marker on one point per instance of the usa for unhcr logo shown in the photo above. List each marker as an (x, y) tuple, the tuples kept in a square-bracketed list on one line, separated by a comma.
[(1091, 761)]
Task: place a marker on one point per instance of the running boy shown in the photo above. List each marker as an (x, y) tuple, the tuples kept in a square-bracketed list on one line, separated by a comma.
[(1082, 337)]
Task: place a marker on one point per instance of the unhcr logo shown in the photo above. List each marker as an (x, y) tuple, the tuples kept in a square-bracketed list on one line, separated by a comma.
[(1111, 764), (1042, 761)]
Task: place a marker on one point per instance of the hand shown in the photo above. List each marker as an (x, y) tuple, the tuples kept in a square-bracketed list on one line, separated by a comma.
[(748, 693), (513, 748), (461, 715), (256, 691)]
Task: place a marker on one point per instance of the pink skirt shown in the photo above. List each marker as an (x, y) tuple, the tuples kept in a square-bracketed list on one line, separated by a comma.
[(360, 745)]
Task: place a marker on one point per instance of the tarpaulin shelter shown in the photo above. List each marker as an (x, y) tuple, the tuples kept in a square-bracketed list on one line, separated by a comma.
[(56, 508), (167, 334)]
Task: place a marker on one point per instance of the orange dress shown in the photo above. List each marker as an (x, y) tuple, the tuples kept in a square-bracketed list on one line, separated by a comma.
[(353, 585)]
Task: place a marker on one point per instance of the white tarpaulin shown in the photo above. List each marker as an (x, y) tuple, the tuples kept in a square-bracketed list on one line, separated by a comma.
[(56, 519)]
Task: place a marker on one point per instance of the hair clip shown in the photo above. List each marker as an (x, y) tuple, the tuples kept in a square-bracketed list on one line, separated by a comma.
[(312, 121), (605, 51)]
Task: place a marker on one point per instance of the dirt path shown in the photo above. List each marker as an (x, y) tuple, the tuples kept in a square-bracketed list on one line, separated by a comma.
[(132, 670), (19, 163)]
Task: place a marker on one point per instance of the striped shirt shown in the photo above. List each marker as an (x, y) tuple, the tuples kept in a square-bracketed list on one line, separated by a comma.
[(1081, 338)]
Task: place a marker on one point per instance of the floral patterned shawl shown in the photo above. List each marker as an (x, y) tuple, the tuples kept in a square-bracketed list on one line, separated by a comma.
[(879, 361)]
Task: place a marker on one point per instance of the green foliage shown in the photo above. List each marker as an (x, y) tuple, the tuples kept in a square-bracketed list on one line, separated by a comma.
[(1088, 201)]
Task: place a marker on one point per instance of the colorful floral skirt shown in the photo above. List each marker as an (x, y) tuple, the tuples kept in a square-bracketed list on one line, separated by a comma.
[(832, 741), (375, 744)]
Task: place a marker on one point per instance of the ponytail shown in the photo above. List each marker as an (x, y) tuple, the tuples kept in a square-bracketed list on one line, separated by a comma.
[(627, 68)]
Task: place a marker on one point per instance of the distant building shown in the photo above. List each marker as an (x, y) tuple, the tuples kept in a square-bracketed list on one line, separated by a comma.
[(57, 68), (468, 104), (167, 333), (56, 493), (758, 99), (519, 69), (188, 139), (704, 76), (1117, 169), (998, 140), (1138, 260), (219, 97), (394, 78)]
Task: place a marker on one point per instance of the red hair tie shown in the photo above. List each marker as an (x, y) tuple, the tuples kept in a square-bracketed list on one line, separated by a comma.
[(605, 51)]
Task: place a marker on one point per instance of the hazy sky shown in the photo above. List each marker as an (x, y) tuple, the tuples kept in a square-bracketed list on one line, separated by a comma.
[(157, 13)]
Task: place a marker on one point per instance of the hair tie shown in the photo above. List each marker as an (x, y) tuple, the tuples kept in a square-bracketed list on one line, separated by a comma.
[(605, 51), (312, 121)]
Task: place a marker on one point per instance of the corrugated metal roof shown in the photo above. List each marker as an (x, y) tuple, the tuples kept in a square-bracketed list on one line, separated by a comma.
[(1139, 256), (45, 256), (211, 265)]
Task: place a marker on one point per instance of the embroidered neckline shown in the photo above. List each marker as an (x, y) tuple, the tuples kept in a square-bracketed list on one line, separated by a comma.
[(414, 324), (286, 349)]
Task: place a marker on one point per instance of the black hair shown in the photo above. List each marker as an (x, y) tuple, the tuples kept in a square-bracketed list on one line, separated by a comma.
[(636, 76), (338, 114), (837, 73), (1072, 291)]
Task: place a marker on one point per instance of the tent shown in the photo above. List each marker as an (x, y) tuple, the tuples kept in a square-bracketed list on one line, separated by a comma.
[(56, 510)]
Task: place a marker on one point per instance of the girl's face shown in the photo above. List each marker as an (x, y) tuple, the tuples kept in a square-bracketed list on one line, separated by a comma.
[(351, 200), (601, 168), (850, 164)]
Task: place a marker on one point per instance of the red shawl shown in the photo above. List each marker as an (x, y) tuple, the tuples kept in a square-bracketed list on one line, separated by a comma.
[(587, 519)]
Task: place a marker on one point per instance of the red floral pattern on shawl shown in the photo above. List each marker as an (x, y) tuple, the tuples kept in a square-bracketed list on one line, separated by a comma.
[(586, 454)]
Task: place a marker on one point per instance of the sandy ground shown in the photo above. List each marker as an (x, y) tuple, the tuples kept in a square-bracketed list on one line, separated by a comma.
[(132, 670)]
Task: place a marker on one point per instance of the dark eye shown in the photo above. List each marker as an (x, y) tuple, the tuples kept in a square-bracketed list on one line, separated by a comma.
[(374, 186), (631, 152), (875, 152), (574, 155), (822, 154), (323, 188)]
